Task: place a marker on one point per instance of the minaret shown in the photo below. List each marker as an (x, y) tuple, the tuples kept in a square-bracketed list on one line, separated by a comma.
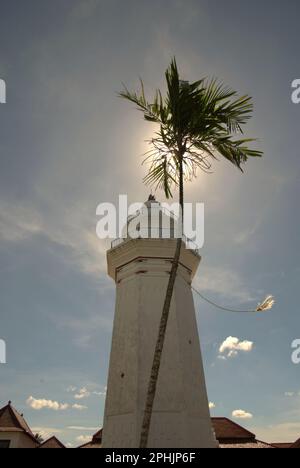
[(140, 268)]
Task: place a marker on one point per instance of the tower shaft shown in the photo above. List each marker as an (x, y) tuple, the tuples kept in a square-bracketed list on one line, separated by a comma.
[(181, 416)]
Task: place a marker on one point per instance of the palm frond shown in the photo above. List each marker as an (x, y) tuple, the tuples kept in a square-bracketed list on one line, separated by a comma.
[(151, 113), (160, 176), (198, 122)]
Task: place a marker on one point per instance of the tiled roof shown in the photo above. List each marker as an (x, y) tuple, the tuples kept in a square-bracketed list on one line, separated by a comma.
[(98, 436), (247, 445), (284, 445), (10, 418), (296, 445), (12, 421), (227, 431), (52, 443), (90, 445), (95, 443)]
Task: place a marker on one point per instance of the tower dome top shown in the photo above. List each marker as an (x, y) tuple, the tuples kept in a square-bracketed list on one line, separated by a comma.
[(150, 221), (151, 202), (154, 220)]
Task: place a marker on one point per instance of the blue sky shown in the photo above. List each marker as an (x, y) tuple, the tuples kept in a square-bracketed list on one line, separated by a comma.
[(67, 143)]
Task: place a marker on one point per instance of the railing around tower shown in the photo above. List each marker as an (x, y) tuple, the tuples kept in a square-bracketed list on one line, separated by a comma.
[(158, 231), (188, 242)]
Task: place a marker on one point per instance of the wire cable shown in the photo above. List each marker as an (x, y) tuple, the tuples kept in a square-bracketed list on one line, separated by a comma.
[(267, 304)]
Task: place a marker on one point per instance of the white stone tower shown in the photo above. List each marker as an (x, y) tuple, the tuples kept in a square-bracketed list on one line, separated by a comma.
[(140, 267)]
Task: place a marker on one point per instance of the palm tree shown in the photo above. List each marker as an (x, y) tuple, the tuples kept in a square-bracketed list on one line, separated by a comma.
[(197, 122)]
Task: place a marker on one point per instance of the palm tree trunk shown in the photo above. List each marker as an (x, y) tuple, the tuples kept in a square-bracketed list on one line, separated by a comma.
[(163, 326)]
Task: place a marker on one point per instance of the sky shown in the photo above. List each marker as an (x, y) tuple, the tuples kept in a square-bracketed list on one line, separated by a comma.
[(67, 143)]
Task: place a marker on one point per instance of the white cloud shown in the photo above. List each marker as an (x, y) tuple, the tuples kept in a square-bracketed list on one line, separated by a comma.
[(82, 251), (232, 353), (241, 414), (18, 223), (83, 393), (39, 404), (21, 222), (102, 394), (47, 432), (71, 389), (232, 345), (83, 439), (82, 428), (224, 282), (289, 394), (79, 407), (222, 358), (244, 236), (46, 404), (211, 405)]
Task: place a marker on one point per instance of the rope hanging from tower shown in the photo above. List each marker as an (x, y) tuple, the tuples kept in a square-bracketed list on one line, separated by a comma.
[(267, 304)]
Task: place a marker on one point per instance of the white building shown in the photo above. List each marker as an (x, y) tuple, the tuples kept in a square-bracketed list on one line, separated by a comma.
[(141, 269)]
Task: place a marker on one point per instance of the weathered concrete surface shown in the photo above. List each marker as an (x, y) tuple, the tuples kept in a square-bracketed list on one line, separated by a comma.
[(181, 416)]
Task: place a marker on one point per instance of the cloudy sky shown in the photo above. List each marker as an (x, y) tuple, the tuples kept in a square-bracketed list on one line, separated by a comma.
[(68, 143)]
